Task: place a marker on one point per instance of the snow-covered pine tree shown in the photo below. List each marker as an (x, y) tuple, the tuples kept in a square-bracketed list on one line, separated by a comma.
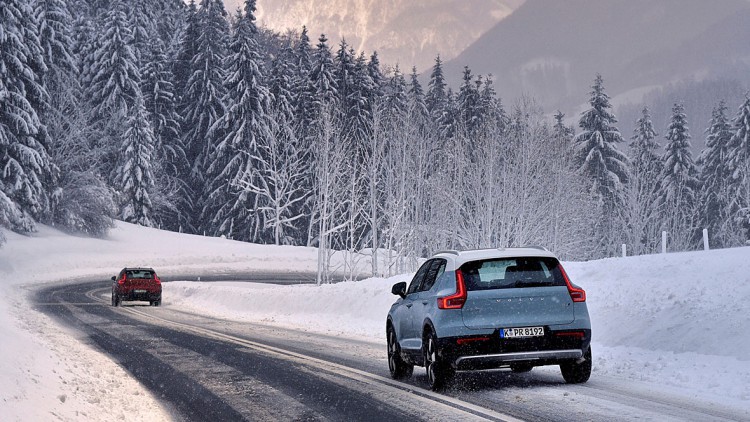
[(201, 103), (490, 107), (357, 115), (714, 198), (562, 134), (135, 178), (469, 103), (679, 184), (417, 101), (344, 73), (359, 108), (229, 208), (304, 89), (448, 116), (55, 37), (642, 208), (436, 98), (114, 86), (83, 202), (159, 100), (116, 77), (396, 98), (568, 206), (86, 41), (322, 76), (644, 145), (169, 207), (409, 149), (326, 143), (188, 45), (281, 83), (739, 165), (304, 124), (376, 75), (169, 20), (602, 164), (140, 18), (28, 173), (284, 173)]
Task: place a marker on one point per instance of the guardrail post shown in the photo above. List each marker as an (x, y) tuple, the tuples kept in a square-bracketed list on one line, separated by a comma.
[(705, 239)]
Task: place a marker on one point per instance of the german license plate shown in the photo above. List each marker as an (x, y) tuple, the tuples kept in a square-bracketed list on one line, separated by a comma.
[(139, 291), (521, 332)]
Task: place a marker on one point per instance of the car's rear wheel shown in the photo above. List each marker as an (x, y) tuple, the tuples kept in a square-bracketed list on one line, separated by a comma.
[(117, 299), (577, 372), (439, 373), (399, 369), (156, 302)]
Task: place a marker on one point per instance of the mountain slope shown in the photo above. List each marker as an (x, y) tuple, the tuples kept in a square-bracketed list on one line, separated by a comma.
[(552, 49), (408, 32)]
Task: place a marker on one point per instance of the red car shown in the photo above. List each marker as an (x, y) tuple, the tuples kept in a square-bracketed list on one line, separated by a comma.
[(136, 284)]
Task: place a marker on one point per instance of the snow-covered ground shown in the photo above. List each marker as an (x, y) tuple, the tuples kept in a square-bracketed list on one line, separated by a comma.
[(676, 322)]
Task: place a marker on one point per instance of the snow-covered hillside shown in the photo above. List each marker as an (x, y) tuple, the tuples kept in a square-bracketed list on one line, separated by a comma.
[(407, 32), (634, 44), (675, 321)]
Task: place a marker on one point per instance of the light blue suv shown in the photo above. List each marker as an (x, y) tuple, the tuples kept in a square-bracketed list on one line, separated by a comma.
[(493, 308)]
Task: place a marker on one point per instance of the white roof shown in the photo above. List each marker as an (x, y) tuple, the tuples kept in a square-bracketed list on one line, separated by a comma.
[(460, 257)]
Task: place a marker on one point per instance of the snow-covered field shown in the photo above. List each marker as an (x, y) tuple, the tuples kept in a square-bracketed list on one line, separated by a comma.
[(677, 322)]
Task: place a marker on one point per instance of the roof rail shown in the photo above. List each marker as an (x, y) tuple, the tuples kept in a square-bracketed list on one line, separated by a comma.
[(449, 251)]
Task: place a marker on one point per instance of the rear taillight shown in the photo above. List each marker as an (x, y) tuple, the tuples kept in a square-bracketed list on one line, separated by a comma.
[(577, 294), (157, 279), (574, 334), (471, 340), (456, 300), (121, 280)]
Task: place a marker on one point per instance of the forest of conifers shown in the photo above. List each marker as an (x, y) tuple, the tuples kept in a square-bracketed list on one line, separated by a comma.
[(187, 118)]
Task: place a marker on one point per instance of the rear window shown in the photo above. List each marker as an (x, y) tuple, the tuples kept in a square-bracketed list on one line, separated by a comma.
[(508, 273), (139, 274)]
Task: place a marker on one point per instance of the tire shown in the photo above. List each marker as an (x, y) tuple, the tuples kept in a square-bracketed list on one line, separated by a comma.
[(113, 298), (398, 368), (118, 300), (577, 372), (439, 373), (520, 368), (157, 302)]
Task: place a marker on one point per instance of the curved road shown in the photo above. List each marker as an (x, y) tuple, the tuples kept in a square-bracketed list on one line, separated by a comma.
[(211, 369)]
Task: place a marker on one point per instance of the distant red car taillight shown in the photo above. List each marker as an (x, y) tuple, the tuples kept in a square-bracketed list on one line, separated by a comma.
[(576, 293), (456, 300), (157, 279), (122, 280)]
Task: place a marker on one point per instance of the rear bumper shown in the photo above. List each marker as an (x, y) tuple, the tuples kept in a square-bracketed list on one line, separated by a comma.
[(491, 351), (546, 357), (147, 296)]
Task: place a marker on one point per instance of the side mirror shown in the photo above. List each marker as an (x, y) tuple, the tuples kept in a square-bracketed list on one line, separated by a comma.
[(399, 289), (114, 278)]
